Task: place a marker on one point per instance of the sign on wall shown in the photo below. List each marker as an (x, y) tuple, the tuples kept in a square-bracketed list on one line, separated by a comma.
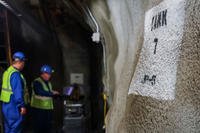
[(76, 78), (155, 75)]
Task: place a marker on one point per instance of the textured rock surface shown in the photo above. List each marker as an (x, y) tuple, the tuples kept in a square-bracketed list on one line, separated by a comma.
[(122, 25), (123, 39), (145, 114)]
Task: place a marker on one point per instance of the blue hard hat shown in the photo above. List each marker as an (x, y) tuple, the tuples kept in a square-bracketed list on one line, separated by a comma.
[(19, 56), (46, 69)]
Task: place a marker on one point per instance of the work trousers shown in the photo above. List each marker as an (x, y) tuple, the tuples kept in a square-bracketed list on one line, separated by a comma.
[(12, 118), (42, 120)]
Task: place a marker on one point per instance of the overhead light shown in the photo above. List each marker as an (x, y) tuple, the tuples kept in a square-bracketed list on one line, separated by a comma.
[(6, 5)]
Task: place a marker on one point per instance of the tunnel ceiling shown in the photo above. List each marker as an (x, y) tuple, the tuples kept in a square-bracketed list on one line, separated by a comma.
[(75, 9)]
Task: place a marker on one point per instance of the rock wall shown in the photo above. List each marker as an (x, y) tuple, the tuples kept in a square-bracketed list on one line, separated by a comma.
[(122, 26), (122, 41)]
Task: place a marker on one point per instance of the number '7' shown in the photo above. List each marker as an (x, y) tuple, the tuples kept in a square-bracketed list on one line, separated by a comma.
[(156, 42)]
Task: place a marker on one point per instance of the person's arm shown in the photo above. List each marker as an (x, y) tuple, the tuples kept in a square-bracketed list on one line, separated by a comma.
[(37, 86), (17, 86)]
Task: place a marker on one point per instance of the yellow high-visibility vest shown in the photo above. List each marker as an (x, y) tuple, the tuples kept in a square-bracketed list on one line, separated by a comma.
[(42, 102), (6, 91)]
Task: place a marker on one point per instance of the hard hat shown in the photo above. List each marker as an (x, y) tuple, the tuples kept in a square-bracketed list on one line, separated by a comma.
[(46, 69), (19, 56)]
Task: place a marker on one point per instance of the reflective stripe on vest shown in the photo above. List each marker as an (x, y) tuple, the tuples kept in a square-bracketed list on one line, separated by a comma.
[(42, 97), (42, 102), (6, 91)]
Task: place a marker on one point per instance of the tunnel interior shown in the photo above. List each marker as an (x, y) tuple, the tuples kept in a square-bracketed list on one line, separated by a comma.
[(65, 43)]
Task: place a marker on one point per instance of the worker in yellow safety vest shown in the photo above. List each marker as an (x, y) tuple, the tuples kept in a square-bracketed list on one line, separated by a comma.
[(13, 95), (42, 101)]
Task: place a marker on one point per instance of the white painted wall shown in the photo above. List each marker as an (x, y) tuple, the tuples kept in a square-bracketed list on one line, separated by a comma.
[(156, 71)]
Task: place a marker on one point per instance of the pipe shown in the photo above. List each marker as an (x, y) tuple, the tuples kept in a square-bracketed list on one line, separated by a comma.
[(93, 19), (102, 42), (6, 5)]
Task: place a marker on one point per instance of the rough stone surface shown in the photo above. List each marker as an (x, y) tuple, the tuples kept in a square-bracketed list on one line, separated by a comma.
[(145, 114), (123, 42)]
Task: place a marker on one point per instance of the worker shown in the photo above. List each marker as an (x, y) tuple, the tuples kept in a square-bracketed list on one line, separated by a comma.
[(12, 95), (42, 101)]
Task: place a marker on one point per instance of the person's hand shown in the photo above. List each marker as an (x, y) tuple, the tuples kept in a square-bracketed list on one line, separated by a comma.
[(22, 110), (55, 92)]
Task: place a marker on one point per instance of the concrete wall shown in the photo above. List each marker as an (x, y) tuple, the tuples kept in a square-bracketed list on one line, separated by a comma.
[(122, 26), (76, 54)]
